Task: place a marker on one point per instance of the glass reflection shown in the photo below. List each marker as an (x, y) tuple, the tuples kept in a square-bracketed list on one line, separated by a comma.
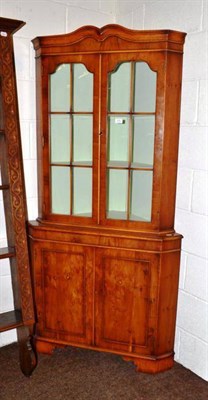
[(141, 195), (119, 88), (82, 193), (60, 183), (118, 133), (60, 89), (144, 88), (117, 194), (82, 138), (143, 141), (60, 138), (82, 88)]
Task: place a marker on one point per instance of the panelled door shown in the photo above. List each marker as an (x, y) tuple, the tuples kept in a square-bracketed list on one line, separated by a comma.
[(70, 91), (130, 143), (126, 292), (63, 291)]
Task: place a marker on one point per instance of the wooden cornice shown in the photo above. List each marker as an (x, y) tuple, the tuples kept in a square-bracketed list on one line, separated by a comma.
[(107, 38)]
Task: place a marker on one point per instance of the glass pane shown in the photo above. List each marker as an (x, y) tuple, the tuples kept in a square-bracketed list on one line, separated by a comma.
[(60, 138), (83, 88), (82, 195), (145, 88), (118, 138), (117, 194), (119, 88), (141, 195), (143, 140), (60, 183), (82, 138), (60, 89)]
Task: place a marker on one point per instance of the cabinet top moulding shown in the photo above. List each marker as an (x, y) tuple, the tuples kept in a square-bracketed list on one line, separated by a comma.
[(108, 39), (10, 25)]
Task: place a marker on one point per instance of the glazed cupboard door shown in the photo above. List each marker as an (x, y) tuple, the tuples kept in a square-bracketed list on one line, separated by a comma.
[(63, 292), (130, 138), (126, 292), (69, 145)]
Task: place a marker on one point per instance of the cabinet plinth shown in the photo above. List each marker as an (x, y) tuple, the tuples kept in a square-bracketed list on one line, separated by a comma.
[(104, 252)]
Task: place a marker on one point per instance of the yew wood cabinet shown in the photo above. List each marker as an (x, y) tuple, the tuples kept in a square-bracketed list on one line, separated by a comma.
[(104, 252)]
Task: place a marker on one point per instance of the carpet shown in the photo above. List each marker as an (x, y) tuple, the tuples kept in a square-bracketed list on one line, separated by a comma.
[(77, 374)]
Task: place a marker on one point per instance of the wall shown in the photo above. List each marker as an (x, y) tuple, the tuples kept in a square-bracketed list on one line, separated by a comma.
[(47, 17), (42, 18), (191, 345)]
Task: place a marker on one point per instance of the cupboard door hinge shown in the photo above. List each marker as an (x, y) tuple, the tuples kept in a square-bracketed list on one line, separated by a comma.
[(43, 141)]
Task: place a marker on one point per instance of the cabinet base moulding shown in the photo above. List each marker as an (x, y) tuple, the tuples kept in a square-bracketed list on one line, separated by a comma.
[(148, 364), (46, 347), (152, 366)]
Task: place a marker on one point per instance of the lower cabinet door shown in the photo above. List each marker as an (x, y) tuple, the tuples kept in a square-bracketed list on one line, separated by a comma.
[(63, 280), (126, 300)]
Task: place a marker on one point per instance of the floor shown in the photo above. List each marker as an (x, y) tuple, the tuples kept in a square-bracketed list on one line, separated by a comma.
[(77, 374)]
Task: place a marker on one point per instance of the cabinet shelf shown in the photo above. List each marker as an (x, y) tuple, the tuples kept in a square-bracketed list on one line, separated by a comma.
[(71, 113), (7, 252), (123, 215), (82, 164), (73, 164), (4, 187), (125, 165), (87, 215), (10, 320), (130, 113)]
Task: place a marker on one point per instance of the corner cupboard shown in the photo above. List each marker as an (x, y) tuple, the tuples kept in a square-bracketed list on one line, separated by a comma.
[(104, 251)]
